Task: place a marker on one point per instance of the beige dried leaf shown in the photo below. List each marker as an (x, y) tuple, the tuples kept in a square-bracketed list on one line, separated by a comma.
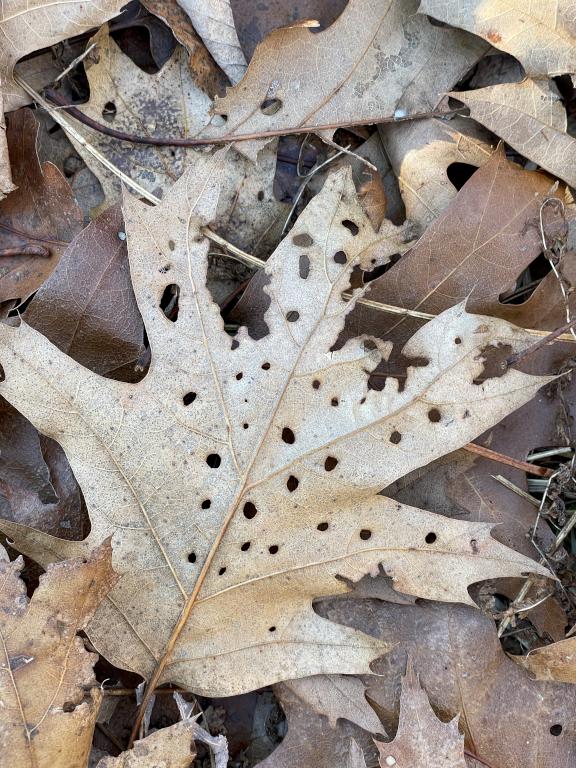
[(556, 661), (50, 697), (542, 34), (377, 60), (214, 22), (355, 756), (422, 739), (171, 747), (29, 26), (531, 117), (240, 477), (421, 154)]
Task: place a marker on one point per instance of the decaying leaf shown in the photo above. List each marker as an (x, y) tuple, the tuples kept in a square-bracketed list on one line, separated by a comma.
[(552, 662), (422, 739), (245, 472), (49, 695), (464, 672), (214, 22), (39, 219), (171, 747), (421, 154), (542, 34), (531, 117), (377, 60), (324, 713), (28, 27)]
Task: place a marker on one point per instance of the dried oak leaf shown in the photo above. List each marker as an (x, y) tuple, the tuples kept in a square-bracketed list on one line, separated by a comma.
[(171, 747), (28, 27), (50, 697), (38, 219), (465, 672), (377, 60), (422, 739), (214, 22), (556, 661), (531, 117), (541, 35), (240, 477)]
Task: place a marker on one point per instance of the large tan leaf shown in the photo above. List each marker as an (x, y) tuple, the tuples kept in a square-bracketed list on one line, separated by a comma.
[(531, 117), (242, 476), (541, 34), (422, 739), (464, 672), (214, 22), (378, 59), (29, 26), (50, 698), (171, 747), (421, 154)]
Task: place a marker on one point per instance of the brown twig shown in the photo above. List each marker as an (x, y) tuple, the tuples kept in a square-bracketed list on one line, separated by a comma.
[(478, 759), (541, 343), (173, 141), (501, 458), (25, 250)]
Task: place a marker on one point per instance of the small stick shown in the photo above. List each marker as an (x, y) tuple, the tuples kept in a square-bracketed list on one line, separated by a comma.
[(514, 488), (501, 458), (542, 343), (76, 61), (26, 250)]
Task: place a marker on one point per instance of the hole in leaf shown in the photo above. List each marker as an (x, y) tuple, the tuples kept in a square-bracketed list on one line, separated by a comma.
[(430, 538), (69, 706), (239, 376), (303, 240), (292, 316), (340, 257), (213, 460), (334, 401), (322, 527), (434, 415), (459, 173), (316, 384), (395, 437), (556, 729), (189, 398), (109, 111), (304, 266), (245, 425), (271, 629), (273, 549), (192, 557), (365, 534), (351, 227), (265, 366), (260, 195), (288, 436), (457, 340), (250, 510), (270, 106), (169, 302), (219, 120), (292, 483), (171, 244), (330, 463), (164, 269), (527, 281), (222, 571), (245, 547), (494, 359)]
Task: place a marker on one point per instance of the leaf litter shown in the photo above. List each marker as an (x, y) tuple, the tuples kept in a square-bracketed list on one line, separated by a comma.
[(307, 477)]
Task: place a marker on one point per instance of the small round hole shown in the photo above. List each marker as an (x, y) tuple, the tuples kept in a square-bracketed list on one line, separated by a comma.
[(292, 483), (395, 437), (265, 366), (322, 527), (171, 244), (556, 729), (430, 538), (270, 106), (260, 195), (434, 415), (340, 257), (245, 547), (271, 629), (222, 571), (239, 375), (330, 463), (288, 436), (219, 120), (365, 534), (457, 340), (250, 510), (273, 549), (213, 460), (334, 401), (351, 227), (192, 557), (206, 504), (316, 384), (245, 426), (292, 316), (109, 111), (189, 398)]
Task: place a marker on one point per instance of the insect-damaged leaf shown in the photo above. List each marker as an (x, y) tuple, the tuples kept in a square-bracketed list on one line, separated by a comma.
[(241, 476)]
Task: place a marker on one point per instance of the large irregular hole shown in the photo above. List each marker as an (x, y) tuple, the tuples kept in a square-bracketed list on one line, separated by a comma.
[(494, 359), (351, 227), (271, 106), (459, 173), (169, 301), (288, 436), (213, 460), (527, 281)]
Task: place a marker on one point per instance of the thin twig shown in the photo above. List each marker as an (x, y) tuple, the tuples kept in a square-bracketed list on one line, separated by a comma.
[(514, 488), (549, 254), (513, 359), (75, 62), (501, 458)]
